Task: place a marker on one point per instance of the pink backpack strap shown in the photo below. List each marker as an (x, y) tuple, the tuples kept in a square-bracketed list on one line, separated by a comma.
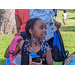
[(14, 43)]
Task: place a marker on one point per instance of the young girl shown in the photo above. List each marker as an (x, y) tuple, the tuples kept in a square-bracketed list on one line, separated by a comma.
[(64, 17), (35, 33)]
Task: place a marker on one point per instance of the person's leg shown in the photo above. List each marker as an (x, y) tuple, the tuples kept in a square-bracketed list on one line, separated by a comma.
[(55, 15), (23, 34), (64, 21)]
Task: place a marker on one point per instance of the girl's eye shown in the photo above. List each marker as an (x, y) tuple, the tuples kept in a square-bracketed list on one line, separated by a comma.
[(41, 27)]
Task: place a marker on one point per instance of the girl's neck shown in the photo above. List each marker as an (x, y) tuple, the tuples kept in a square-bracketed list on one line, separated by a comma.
[(35, 48), (37, 42)]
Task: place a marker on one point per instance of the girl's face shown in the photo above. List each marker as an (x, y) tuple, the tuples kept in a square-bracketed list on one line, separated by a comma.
[(39, 30)]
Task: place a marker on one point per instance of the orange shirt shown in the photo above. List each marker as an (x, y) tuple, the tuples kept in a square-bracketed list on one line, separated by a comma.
[(24, 15)]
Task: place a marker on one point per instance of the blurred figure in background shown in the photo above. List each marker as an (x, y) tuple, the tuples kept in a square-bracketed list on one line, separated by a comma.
[(64, 17), (21, 17), (55, 11)]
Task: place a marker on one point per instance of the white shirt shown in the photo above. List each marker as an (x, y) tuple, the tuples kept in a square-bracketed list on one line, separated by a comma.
[(64, 15), (47, 16)]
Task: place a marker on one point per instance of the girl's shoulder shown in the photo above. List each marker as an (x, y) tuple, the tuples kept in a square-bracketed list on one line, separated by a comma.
[(20, 44)]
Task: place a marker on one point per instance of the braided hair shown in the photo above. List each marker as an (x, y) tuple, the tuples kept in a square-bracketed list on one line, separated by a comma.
[(30, 24)]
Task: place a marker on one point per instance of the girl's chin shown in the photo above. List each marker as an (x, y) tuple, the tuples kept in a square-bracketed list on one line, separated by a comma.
[(43, 38)]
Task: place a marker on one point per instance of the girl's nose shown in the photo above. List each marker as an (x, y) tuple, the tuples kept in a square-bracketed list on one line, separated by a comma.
[(45, 30)]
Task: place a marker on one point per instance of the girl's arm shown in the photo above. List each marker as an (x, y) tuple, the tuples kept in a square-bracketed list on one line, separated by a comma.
[(7, 53), (18, 23), (49, 57), (18, 48)]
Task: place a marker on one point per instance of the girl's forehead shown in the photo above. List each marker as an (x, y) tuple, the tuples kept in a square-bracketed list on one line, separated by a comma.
[(39, 21)]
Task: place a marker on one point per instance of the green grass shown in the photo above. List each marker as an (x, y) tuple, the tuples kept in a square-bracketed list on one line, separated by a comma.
[(67, 32), (5, 40)]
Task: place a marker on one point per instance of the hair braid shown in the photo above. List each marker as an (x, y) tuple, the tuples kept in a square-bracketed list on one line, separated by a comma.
[(30, 24)]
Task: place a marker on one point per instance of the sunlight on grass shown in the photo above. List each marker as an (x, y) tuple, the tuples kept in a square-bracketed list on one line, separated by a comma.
[(5, 40)]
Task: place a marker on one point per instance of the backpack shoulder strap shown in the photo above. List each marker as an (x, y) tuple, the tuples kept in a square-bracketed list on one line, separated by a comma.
[(24, 56), (62, 44), (14, 42)]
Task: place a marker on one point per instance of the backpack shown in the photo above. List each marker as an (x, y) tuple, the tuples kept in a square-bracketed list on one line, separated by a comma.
[(58, 52), (70, 60), (16, 59)]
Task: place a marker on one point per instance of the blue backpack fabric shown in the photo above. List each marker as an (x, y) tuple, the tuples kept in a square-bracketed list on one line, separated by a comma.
[(7, 61), (57, 42), (58, 52)]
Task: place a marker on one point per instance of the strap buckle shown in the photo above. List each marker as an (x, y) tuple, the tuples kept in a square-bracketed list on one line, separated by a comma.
[(11, 51)]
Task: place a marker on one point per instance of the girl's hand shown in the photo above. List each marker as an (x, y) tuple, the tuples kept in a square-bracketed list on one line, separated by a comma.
[(35, 63), (17, 34)]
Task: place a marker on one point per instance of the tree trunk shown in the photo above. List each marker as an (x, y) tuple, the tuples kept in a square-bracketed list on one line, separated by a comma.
[(7, 21)]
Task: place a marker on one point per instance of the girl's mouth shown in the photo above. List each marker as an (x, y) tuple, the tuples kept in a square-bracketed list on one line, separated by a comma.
[(44, 35)]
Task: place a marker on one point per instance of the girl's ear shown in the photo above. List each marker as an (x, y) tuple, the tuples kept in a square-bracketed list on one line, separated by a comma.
[(30, 31)]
